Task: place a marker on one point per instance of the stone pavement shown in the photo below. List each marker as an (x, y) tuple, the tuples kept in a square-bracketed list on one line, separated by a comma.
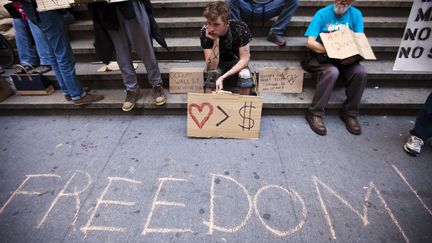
[(140, 179)]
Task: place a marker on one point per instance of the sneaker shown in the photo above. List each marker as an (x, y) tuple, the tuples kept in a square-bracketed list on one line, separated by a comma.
[(316, 124), (277, 39), (413, 145), (131, 98), (89, 98), (42, 69), (159, 95)]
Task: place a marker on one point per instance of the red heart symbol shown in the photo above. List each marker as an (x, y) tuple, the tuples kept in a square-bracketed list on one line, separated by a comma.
[(200, 109)]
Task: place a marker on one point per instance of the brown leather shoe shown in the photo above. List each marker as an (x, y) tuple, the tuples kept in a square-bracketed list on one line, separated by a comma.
[(351, 124), (89, 98), (316, 124)]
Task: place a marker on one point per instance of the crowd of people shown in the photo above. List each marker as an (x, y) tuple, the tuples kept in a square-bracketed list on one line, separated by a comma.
[(225, 39)]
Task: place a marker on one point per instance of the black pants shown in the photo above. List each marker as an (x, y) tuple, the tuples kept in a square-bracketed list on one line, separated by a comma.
[(423, 124)]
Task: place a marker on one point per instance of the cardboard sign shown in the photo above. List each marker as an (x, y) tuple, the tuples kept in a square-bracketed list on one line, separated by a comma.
[(274, 80), (345, 43), (415, 50), (224, 115), (186, 80), (46, 5)]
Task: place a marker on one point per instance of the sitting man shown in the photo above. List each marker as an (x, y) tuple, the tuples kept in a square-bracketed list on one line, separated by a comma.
[(226, 49), (328, 19), (249, 10)]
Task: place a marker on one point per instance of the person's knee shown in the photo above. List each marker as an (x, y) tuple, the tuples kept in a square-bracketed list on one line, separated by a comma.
[(361, 71), (245, 78), (331, 73)]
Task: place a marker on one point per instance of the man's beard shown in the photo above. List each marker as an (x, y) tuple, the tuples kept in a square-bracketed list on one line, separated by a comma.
[(340, 9)]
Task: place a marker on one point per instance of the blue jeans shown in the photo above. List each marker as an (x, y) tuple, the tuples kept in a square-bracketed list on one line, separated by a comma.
[(26, 53), (423, 124), (243, 10), (53, 28)]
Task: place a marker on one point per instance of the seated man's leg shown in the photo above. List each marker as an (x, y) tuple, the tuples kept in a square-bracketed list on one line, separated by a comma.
[(286, 9), (210, 81), (245, 81), (355, 76), (234, 8), (327, 75)]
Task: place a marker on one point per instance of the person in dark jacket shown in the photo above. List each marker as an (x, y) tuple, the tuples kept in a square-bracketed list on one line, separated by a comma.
[(128, 26)]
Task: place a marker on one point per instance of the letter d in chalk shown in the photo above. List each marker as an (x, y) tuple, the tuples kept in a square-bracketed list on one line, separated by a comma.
[(211, 223)]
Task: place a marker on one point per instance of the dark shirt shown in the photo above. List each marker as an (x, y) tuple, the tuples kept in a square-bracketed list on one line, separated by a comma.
[(238, 35)]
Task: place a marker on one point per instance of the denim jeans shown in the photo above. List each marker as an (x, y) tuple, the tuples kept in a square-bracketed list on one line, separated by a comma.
[(243, 10), (53, 28), (23, 39), (423, 124)]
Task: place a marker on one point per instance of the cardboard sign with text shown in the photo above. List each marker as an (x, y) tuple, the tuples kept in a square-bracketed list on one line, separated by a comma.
[(186, 80), (46, 5), (224, 115), (274, 80), (345, 43)]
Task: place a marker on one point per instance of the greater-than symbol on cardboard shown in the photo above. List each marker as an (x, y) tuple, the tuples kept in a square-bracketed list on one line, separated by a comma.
[(200, 109), (226, 116)]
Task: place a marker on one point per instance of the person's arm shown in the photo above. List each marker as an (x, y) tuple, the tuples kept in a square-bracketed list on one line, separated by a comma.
[(314, 45), (241, 64), (211, 56)]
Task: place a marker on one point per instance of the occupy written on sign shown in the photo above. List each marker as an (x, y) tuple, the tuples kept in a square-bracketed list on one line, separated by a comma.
[(224, 115)]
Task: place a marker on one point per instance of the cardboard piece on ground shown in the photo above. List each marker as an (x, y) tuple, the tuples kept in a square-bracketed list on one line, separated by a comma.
[(186, 80), (46, 91), (274, 80), (224, 115), (345, 43)]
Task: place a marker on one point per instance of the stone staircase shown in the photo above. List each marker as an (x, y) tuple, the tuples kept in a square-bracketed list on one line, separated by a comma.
[(387, 91)]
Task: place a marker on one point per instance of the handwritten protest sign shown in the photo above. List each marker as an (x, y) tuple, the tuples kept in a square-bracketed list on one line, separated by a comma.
[(415, 50), (186, 80), (274, 80), (345, 43), (46, 5), (224, 115)]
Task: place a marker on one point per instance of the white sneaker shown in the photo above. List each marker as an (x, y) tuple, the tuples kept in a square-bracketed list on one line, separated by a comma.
[(413, 145)]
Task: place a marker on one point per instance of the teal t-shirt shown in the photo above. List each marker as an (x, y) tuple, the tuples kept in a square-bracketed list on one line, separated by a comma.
[(325, 20)]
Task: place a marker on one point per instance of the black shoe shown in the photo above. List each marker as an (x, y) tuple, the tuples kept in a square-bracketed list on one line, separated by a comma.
[(277, 39)]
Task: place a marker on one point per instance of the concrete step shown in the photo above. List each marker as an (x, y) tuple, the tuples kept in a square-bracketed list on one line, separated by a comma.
[(187, 48), (380, 74), (190, 26), (194, 8), (377, 101)]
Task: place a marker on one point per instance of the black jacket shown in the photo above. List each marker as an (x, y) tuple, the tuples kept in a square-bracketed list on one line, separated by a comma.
[(105, 18)]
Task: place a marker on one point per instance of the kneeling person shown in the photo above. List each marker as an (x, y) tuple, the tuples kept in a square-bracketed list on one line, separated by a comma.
[(226, 50)]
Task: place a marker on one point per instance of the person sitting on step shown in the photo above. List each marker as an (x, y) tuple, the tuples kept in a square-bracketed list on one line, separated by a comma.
[(226, 50), (250, 10), (335, 16)]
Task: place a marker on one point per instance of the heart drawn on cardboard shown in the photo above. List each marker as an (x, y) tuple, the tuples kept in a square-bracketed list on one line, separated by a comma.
[(200, 109)]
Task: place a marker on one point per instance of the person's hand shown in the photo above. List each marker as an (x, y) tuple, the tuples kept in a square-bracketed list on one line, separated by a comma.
[(350, 60), (209, 35), (219, 84)]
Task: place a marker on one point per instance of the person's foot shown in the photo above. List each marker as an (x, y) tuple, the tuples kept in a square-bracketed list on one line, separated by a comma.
[(351, 124), (42, 69), (26, 68), (413, 145), (277, 39), (316, 124), (88, 99), (69, 98), (159, 95), (131, 98)]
